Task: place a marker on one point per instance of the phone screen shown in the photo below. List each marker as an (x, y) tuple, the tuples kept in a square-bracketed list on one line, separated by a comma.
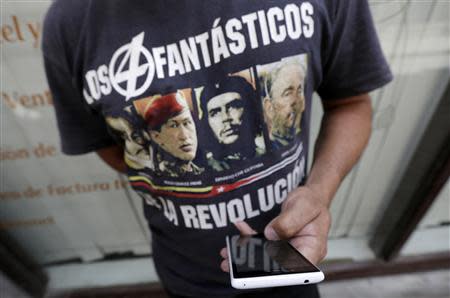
[(253, 256)]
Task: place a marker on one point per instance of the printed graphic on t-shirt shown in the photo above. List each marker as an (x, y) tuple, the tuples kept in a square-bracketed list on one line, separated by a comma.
[(228, 114), (218, 137), (282, 87), (134, 67), (134, 141), (172, 133), (199, 114)]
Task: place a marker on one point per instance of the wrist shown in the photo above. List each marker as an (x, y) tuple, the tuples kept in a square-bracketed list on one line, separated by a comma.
[(324, 180), (323, 189)]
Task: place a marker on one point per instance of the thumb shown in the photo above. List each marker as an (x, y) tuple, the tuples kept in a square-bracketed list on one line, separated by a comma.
[(244, 228), (289, 222), (269, 232)]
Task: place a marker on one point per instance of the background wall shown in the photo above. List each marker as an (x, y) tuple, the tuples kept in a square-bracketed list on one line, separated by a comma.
[(60, 208)]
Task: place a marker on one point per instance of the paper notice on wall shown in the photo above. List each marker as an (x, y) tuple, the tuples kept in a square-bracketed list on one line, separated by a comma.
[(57, 207)]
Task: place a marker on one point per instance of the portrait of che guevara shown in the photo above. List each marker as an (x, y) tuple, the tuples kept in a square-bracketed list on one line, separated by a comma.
[(229, 122), (172, 132)]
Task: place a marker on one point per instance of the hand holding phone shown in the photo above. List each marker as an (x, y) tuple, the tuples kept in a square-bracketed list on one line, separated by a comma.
[(256, 262)]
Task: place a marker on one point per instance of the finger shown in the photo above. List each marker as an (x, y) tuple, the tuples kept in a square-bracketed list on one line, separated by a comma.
[(270, 233), (244, 228), (313, 248), (312, 240), (225, 266), (224, 253), (291, 220)]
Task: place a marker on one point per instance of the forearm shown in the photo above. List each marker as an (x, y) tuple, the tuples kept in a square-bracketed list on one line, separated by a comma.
[(344, 134), (114, 157)]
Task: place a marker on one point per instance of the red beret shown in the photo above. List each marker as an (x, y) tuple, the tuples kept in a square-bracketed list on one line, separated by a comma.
[(160, 109)]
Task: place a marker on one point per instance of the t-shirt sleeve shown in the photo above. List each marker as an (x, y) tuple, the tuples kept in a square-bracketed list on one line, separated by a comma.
[(81, 130), (354, 62)]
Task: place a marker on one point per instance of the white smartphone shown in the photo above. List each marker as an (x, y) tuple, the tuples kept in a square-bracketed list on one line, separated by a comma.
[(256, 262)]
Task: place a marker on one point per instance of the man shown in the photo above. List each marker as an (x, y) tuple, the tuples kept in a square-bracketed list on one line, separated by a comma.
[(225, 116), (284, 102), (171, 127), (229, 122), (102, 56), (136, 154)]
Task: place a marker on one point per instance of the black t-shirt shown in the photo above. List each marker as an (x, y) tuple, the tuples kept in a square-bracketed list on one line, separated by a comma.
[(211, 101)]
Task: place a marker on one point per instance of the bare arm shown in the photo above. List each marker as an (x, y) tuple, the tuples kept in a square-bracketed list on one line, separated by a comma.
[(344, 134), (113, 156), (305, 218)]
